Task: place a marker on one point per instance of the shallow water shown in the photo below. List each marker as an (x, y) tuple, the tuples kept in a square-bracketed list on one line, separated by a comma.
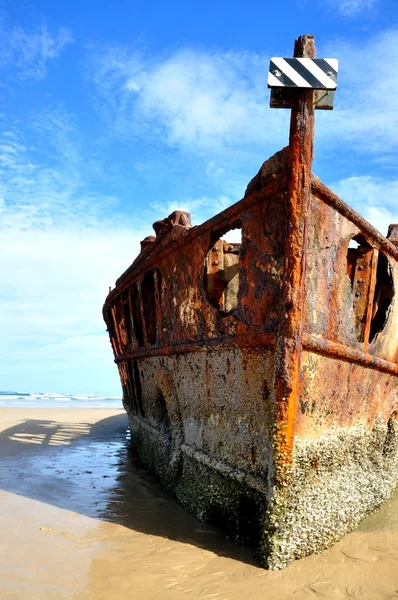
[(80, 518)]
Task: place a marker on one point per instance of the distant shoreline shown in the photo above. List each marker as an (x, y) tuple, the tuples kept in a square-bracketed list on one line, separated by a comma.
[(56, 400)]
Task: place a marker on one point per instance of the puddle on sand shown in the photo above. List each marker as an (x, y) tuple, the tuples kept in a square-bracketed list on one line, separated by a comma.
[(84, 520)]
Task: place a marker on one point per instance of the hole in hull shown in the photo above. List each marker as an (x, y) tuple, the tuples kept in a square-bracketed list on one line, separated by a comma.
[(222, 264)]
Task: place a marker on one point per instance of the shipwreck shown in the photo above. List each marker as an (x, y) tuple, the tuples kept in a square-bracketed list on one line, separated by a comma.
[(260, 377)]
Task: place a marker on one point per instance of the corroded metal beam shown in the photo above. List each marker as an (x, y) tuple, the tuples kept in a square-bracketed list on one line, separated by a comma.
[(288, 348)]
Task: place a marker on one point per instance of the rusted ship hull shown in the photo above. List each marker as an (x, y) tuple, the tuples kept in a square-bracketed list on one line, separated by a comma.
[(200, 382), (260, 378)]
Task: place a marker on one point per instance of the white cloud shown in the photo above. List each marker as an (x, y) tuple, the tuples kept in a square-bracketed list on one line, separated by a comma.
[(55, 279), (351, 8), (46, 182), (62, 246), (28, 52), (365, 113), (200, 208), (198, 100), (204, 102), (374, 198)]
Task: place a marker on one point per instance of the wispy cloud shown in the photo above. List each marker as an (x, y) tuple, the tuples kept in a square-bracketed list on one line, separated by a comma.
[(365, 113), (28, 51), (45, 174), (374, 198), (204, 102), (197, 100), (200, 208), (351, 8), (54, 283), (62, 246)]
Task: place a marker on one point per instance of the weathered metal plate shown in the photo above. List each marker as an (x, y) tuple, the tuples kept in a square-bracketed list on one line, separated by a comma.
[(282, 98)]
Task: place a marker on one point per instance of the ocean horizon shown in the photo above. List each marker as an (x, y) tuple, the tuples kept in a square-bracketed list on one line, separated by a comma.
[(54, 400)]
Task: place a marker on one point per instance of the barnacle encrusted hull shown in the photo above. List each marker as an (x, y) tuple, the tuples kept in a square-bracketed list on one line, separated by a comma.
[(286, 437)]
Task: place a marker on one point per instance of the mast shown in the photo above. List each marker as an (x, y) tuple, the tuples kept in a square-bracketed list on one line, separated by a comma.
[(289, 343)]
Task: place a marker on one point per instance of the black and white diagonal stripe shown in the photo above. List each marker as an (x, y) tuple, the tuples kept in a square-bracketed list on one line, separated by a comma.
[(313, 73)]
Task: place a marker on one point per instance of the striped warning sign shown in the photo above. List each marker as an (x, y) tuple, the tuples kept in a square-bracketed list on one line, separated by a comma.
[(312, 73)]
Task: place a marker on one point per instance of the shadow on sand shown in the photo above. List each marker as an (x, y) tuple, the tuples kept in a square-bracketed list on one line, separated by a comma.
[(92, 469)]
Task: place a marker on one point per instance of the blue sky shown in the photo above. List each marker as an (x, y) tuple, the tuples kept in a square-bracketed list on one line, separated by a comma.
[(115, 114)]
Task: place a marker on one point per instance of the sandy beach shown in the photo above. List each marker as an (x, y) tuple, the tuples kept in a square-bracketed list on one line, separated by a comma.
[(81, 518)]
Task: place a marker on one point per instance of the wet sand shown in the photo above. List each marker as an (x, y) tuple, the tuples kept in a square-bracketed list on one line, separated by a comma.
[(81, 519)]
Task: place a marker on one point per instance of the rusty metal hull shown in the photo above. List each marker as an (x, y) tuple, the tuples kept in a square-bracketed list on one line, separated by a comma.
[(261, 379)]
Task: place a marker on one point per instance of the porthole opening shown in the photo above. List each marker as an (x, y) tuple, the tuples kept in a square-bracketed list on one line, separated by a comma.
[(384, 293), (222, 265), (372, 287)]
